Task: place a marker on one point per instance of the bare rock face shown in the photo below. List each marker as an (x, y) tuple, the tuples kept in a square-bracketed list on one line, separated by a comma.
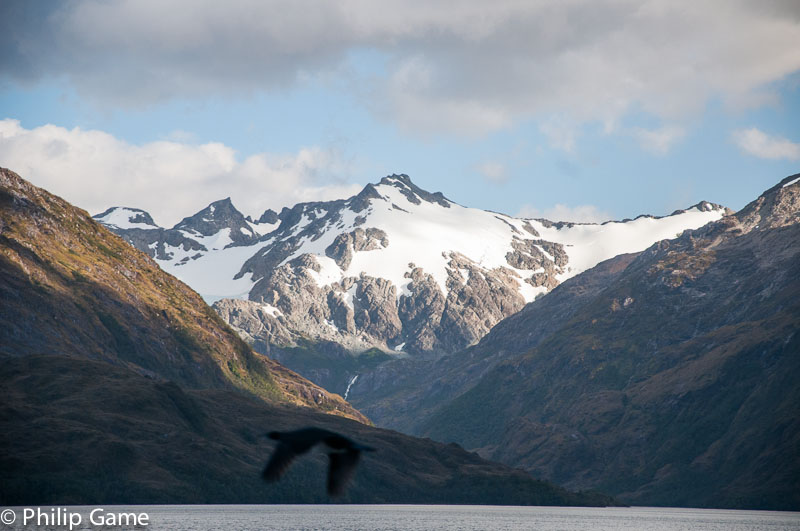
[(257, 324), (342, 314), (159, 242), (421, 311), (365, 312), (477, 300), (530, 254), (345, 244), (293, 291), (376, 308), (777, 207), (359, 313), (269, 217)]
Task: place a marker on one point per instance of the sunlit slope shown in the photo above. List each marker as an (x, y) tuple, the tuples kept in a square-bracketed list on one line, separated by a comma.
[(71, 287)]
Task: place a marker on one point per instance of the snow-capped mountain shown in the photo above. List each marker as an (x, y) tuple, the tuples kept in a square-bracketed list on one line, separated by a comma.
[(395, 266), (219, 234)]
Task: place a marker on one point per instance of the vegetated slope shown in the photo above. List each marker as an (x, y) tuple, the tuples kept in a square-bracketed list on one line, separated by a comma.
[(675, 385), (121, 386), (77, 431), (69, 286)]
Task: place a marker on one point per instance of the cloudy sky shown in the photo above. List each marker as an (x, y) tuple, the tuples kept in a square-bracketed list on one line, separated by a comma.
[(568, 109)]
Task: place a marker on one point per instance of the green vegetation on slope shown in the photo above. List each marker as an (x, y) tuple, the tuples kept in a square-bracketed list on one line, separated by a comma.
[(70, 286)]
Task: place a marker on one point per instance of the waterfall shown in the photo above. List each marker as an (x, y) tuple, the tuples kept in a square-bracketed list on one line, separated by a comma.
[(352, 381)]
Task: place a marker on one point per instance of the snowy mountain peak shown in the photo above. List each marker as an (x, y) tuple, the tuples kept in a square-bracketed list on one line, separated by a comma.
[(215, 217), (218, 226), (394, 264), (413, 193), (126, 218), (703, 206)]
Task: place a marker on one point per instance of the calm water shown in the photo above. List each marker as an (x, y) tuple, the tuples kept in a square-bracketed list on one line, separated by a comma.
[(411, 517)]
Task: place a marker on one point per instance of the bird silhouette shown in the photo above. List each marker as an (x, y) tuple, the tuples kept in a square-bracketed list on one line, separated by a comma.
[(343, 458)]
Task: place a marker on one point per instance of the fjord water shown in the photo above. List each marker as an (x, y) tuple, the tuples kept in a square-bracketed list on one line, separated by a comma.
[(439, 517)]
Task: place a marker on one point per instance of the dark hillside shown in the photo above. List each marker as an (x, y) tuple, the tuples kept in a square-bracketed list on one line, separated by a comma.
[(674, 385)]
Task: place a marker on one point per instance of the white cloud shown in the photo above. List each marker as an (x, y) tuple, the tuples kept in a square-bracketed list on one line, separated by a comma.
[(561, 133), (492, 171), (94, 170), (757, 143), (453, 66), (659, 141), (559, 212)]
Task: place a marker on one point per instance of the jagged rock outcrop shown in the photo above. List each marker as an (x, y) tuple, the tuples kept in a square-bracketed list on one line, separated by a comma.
[(347, 243), (421, 310), (270, 217), (476, 301), (219, 216), (161, 244), (218, 226)]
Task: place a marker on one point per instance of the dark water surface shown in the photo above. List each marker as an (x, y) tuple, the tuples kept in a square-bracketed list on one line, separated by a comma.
[(399, 517)]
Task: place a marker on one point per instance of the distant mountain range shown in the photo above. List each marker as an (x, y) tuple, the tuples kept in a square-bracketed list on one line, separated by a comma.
[(120, 385), (394, 267)]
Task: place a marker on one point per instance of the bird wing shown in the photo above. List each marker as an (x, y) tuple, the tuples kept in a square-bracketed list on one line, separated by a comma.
[(342, 467), (280, 461)]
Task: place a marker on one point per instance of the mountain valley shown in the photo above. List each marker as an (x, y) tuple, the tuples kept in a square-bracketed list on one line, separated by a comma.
[(121, 386), (658, 367)]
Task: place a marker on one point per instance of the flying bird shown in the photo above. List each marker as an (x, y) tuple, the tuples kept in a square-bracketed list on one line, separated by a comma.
[(343, 457)]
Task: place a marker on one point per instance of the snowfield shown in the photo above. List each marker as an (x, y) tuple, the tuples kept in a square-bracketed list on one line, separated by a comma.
[(421, 233)]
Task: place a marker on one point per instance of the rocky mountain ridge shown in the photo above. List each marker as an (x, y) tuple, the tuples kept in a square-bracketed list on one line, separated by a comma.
[(394, 267)]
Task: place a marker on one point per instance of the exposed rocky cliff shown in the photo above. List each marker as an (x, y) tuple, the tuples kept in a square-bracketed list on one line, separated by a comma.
[(401, 269)]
